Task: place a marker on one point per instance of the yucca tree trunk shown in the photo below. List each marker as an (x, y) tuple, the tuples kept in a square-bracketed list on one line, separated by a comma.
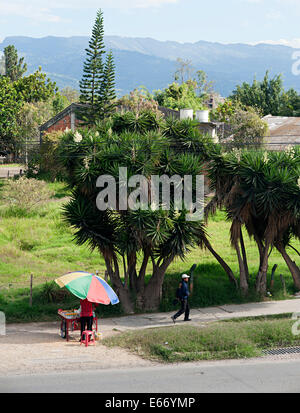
[(151, 294), (135, 293), (243, 273), (220, 260), (260, 251), (294, 269), (140, 284), (131, 269), (244, 254), (261, 280), (121, 289), (125, 299)]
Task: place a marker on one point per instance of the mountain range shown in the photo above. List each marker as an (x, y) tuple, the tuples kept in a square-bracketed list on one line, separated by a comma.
[(152, 63)]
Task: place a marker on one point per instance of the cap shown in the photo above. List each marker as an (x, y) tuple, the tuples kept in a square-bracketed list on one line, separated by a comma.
[(185, 276)]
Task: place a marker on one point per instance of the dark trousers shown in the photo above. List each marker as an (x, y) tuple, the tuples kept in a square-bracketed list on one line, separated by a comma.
[(185, 309), (86, 323)]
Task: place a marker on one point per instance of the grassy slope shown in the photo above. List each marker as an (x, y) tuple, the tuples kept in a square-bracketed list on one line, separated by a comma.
[(43, 245)]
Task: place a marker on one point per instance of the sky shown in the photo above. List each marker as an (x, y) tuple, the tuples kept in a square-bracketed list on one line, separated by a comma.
[(230, 21)]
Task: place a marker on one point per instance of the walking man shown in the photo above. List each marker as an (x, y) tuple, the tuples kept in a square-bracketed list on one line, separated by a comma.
[(184, 298)]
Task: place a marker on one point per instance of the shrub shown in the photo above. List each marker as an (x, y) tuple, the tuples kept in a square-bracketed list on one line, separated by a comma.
[(52, 293), (25, 193), (138, 101), (143, 122), (44, 161), (243, 124)]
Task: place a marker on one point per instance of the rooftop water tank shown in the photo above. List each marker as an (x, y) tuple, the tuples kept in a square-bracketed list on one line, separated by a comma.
[(202, 116), (186, 114)]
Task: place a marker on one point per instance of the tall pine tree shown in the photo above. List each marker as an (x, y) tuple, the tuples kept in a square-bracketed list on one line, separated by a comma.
[(93, 71), (107, 93), (14, 67)]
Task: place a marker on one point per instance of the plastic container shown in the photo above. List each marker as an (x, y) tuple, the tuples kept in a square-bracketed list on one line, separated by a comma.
[(202, 116), (186, 114)]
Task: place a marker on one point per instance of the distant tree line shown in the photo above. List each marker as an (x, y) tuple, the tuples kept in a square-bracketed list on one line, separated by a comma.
[(269, 97)]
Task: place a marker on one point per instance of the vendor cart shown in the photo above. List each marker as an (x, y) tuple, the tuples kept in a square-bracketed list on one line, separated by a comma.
[(70, 321)]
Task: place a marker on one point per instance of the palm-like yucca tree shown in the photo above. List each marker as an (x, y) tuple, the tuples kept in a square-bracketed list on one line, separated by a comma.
[(132, 242), (222, 171), (260, 191), (143, 122), (185, 137), (276, 207), (289, 225)]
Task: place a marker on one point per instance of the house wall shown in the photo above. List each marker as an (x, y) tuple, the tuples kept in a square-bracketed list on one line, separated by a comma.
[(69, 121), (61, 125)]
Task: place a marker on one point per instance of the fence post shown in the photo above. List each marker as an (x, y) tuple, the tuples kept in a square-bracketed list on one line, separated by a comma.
[(30, 299), (283, 284), (272, 276), (192, 270)]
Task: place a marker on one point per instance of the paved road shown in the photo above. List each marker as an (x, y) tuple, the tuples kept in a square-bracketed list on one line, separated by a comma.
[(252, 376)]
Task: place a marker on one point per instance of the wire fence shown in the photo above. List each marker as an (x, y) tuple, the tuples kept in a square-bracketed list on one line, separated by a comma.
[(25, 283)]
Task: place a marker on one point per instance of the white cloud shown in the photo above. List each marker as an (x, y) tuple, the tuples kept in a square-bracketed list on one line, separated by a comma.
[(76, 4), (31, 11), (50, 10), (295, 43), (274, 15), (114, 4), (152, 3)]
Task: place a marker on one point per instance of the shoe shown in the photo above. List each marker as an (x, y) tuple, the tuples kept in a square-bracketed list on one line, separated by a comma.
[(188, 319), (174, 319)]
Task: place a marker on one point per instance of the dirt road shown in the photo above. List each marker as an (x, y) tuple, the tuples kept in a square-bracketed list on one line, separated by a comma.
[(38, 348)]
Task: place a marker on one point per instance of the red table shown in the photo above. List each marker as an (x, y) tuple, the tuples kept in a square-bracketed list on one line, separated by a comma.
[(70, 321)]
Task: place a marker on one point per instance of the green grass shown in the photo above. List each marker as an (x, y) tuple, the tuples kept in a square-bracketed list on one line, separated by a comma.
[(40, 243), (213, 341), (12, 165)]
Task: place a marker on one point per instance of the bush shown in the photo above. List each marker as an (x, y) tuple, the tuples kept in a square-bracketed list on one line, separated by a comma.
[(44, 160), (26, 193), (243, 124), (52, 293), (138, 101), (143, 122)]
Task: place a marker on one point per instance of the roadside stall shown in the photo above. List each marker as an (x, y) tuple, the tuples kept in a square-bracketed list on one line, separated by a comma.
[(85, 286), (70, 321)]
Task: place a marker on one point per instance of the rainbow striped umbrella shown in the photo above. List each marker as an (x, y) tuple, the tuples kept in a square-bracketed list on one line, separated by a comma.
[(88, 286)]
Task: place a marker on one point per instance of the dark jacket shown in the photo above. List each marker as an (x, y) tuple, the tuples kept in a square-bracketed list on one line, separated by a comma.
[(184, 290)]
